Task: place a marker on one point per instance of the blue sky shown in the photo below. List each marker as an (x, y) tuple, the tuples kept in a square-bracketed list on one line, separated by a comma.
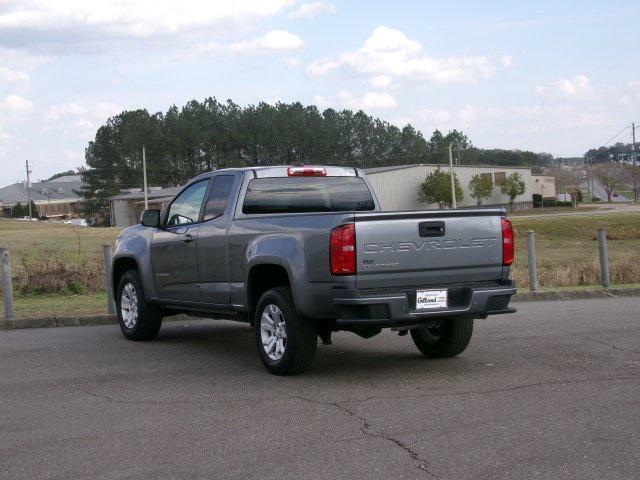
[(555, 77)]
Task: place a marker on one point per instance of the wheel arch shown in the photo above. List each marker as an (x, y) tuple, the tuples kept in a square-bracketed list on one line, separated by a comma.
[(263, 277), (120, 266)]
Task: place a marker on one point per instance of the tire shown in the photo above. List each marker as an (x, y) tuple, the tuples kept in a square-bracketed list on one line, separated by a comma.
[(292, 353), (139, 320), (448, 340)]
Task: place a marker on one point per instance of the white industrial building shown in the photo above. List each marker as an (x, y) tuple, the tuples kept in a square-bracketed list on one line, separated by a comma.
[(398, 187)]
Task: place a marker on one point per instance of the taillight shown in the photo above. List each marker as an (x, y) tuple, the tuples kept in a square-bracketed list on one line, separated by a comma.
[(307, 172), (508, 244), (343, 250)]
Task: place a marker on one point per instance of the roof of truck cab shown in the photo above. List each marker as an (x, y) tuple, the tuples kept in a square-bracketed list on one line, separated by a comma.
[(347, 170)]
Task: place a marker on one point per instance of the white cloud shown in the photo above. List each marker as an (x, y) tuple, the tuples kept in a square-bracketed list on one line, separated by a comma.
[(292, 62), (507, 61), (381, 81), (96, 112), (321, 68), (532, 120), (378, 100), (275, 40), (79, 120), (436, 116), (10, 76), (389, 52), (368, 101), (66, 109), (142, 18), (309, 10), (15, 104), (577, 88)]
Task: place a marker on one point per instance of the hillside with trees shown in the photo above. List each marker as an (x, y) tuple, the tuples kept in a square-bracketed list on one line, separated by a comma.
[(184, 142)]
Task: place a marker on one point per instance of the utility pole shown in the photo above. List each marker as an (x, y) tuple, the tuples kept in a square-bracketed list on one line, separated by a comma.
[(635, 161), (453, 183), (144, 177), (588, 181), (28, 186)]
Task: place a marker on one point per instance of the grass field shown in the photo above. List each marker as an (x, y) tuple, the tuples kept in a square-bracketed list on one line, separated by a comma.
[(31, 240), (52, 305), (53, 255), (550, 211), (567, 249)]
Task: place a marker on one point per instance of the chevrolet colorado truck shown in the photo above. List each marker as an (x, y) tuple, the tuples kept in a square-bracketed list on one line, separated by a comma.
[(301, 252)]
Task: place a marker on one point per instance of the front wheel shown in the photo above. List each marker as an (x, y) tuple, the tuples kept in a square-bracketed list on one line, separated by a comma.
[(139, 319), (286, 342), (448, 339)]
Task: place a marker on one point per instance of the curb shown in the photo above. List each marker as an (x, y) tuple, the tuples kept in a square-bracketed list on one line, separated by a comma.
[(45, 322), (577, 294), (91, 320)]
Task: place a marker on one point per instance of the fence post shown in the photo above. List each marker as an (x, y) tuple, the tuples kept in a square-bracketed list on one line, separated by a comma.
[(533, 270), (604, 262), (7, 287), (107, 255)]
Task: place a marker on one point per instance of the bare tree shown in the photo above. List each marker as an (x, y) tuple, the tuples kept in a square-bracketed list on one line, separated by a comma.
[(612, 175), (567, 179)]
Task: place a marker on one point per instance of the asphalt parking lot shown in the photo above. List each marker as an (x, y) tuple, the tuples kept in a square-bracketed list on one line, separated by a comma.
[(550, 392)]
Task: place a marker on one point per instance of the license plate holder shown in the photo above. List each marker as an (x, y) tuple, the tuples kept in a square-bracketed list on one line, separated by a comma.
[(431, 299)]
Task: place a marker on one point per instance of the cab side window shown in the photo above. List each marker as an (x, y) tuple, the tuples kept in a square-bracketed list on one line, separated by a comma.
[(218, 196), (185, 209)]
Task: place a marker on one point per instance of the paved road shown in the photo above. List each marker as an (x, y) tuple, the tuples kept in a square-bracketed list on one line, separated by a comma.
[(551, 392)]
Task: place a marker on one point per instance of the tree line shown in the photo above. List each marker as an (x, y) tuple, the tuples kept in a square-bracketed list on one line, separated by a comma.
[(184, 142), (620, 152)]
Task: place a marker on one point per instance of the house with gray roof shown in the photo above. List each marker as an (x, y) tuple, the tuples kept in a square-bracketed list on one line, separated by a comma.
[(59, 198)]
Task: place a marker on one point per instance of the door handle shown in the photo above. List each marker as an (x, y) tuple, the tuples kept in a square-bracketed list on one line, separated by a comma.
[(188, 238)]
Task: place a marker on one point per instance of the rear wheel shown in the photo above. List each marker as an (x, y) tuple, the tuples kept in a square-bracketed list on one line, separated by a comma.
[(448, 339), (139, 319), (286, 342)]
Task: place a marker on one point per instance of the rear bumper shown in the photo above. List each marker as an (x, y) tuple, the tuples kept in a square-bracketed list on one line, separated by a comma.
[(398, 309)]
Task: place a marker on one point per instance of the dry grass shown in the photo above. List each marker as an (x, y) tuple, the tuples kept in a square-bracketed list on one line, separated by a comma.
[(54, 257), (550, 211), (56, 275), (567, 249)]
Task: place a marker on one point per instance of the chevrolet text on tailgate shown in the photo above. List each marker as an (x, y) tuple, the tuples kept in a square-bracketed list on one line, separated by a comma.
[(301, 252)]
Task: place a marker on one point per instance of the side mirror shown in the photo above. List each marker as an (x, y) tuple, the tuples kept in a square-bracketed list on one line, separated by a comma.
[(150, 218)]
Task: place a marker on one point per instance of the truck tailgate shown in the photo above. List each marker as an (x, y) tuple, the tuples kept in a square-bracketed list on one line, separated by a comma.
[(404, 249)]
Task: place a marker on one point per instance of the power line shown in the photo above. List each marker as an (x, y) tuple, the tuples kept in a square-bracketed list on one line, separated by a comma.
[(615, 136)]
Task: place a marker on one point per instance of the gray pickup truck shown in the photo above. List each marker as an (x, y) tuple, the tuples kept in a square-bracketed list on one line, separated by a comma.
[(301, 252)]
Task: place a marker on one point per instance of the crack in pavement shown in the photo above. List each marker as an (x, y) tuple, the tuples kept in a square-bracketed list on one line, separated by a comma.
[(367, 429), (615, 347), (357, 400), (497, 390)]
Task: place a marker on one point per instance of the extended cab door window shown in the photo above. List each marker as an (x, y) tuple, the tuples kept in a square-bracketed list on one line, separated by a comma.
[(185, 209), (218, 197)]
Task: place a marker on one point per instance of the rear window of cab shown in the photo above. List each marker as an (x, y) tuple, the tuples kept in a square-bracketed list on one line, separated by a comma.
[(307, 194)]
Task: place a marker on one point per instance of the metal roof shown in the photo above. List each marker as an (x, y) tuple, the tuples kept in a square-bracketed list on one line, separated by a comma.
[(151, 194), (41, 192)]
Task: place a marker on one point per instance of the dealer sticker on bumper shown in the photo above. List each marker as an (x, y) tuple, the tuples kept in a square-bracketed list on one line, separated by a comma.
[(426, 299)]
